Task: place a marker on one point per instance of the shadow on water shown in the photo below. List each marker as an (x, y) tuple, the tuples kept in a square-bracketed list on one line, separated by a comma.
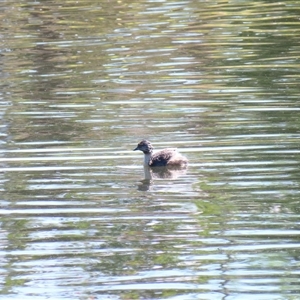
[(156, 173)]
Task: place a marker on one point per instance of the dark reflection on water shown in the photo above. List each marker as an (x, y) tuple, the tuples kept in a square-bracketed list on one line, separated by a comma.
[(81, 82), (168, 172)]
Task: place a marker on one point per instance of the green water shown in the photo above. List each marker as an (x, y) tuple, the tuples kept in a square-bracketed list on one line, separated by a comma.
[(82, 83)]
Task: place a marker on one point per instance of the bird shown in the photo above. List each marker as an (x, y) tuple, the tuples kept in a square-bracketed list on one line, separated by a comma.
[(161, 158)]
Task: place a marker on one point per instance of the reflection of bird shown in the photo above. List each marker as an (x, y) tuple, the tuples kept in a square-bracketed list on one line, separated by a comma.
[(164, 172), (166, 157)]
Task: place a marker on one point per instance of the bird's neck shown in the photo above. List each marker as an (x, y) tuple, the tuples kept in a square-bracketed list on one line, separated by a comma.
[(147, 157)]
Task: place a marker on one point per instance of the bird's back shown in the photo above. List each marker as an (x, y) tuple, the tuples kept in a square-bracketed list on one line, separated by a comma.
[(163, 157)]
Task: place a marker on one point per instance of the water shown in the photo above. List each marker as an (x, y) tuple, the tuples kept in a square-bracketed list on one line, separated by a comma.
[(82, 83)]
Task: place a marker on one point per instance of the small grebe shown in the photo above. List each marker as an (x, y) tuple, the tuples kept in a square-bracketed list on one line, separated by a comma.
[(161, 158)]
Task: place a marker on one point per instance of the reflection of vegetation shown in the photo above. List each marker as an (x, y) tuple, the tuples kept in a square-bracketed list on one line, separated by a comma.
[(12, 241), (10, 284), (16, 237)]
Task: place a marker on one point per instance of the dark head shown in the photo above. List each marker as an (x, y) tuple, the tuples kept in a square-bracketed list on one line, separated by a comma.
[(144, 146)]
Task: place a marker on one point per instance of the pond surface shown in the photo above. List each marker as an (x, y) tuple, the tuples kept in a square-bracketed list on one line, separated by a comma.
[(82, 82)]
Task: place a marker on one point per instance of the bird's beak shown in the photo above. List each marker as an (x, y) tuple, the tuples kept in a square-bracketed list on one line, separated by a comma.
[(137, 148)]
